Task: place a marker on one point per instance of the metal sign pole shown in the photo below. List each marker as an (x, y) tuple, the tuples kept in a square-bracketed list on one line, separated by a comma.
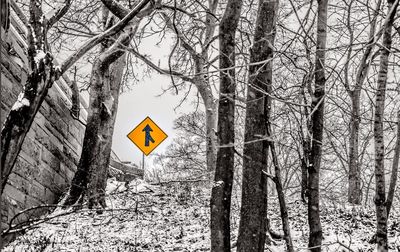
[(143, 162)]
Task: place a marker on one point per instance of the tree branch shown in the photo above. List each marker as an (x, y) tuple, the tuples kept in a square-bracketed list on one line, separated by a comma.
[(158, 69), (180, 37), (173, 8), (97, 39), (115, 8), (61, 11)]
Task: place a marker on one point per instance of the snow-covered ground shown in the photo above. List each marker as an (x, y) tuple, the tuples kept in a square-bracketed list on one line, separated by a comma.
[(143, 217), (139, 217)]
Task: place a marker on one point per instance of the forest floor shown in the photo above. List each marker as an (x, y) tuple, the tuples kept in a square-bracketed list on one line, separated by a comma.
[(143, 217)]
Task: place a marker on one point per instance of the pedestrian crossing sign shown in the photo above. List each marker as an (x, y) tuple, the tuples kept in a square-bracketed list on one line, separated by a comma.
[(147, 136)]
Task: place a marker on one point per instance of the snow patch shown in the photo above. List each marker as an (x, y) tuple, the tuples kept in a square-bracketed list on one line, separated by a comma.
[(314, 99), (21, 102), (140, 186), (34, 37), (219, 183), (115, 186), (13, 202), (40, 55), (108, 104), (100, 138), (57, 68)]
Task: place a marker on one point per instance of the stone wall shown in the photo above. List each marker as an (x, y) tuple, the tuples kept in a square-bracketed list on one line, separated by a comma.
[(51, 150)]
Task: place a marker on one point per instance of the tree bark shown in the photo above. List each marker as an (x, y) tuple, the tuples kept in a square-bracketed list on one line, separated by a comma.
[(210, 106), (354, 191), (5, 14), (205, 90), (305, 161), (317, 129), (222, 189), (107, 96), (253, 212), (395, 168), (281, 195), (305, 156), (380, 189), (211, 136), (91, 175)]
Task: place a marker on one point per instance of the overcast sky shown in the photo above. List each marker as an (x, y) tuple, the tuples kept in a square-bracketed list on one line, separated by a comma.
[(136, 105), (143, 100)]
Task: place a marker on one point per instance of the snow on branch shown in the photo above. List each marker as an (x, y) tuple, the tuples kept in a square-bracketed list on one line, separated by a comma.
[(21, 102)]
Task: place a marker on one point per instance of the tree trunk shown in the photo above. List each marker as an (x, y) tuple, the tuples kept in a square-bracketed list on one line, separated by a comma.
[(305, 160), (5, 14), (380, 189), (91, 175), (305, 157), (395, 168), (108, 95), (281, 194), (211, 144), (253, 212), (317, 129), (207, 95), (354, 190), (222, 189), (210, 107)]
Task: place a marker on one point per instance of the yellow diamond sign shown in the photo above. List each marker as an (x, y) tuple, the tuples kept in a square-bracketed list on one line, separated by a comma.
[(147, 136)]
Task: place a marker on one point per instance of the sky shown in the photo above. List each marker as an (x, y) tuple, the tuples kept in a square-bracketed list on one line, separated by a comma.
[(135, 105), (142, 100)]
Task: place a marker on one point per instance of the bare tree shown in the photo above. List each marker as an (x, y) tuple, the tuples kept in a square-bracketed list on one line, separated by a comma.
[(380, 188), (317, 130), (277, 179), (222, 189), (354, 189), (395, 168), (253, 213), (185, 156), (202, 28), (107, 71)]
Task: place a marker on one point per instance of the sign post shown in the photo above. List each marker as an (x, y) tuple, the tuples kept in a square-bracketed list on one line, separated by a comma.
[(143, 161)]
